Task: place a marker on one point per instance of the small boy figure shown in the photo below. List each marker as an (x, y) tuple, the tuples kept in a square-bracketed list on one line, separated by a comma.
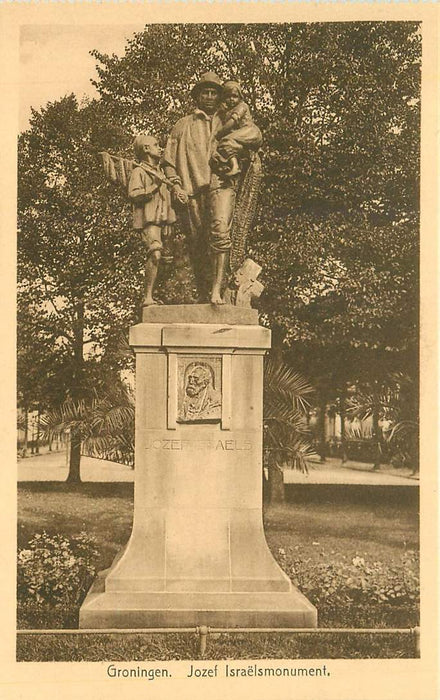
[(238, 131), (153, 213)]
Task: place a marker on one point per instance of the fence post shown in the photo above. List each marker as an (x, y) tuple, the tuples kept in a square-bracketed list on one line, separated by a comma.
[(416, 636), (203, 635)]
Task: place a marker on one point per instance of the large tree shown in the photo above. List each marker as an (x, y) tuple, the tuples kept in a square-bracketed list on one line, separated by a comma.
[(79, 266)]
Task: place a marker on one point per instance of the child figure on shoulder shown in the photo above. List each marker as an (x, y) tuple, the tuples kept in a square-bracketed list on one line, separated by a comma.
[(238, 131), (153, 214)]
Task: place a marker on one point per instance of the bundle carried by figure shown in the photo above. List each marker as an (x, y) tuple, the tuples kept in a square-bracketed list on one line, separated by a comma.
[(118, 169)]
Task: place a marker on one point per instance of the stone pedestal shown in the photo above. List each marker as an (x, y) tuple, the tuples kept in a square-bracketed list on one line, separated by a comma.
[(197, 554)]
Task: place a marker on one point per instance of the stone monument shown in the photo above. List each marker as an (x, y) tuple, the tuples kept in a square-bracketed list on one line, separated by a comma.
[(197, 554)]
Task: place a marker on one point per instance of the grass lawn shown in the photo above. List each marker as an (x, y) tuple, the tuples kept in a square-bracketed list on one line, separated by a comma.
[(103, 510), (375, 531), (312, 533)]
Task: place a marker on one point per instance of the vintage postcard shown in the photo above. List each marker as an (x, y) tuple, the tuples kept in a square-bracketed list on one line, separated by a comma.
[(220, 301)]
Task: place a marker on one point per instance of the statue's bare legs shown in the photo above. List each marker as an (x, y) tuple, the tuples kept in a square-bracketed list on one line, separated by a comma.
[(151, 268), (219, 260)]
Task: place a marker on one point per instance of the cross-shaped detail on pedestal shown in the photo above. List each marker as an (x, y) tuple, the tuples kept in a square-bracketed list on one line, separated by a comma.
[(244, 285)]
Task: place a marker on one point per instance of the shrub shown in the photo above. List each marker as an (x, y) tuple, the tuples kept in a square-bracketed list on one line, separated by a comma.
[(55, 569), (336, 584)]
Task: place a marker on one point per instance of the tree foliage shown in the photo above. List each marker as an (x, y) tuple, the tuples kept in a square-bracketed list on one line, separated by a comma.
[(75, 244), (286, 438)]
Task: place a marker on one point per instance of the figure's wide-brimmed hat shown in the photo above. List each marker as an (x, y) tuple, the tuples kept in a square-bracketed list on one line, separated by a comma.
[(209, 79)]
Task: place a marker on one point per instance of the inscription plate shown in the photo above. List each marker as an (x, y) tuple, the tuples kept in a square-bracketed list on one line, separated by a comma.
[(192, 445), (199, 394)]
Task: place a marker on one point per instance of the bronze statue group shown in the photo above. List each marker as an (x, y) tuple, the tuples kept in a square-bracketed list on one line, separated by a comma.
[(197, 175)]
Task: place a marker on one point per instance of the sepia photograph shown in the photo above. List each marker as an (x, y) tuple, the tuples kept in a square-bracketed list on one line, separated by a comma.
[(218, 275)]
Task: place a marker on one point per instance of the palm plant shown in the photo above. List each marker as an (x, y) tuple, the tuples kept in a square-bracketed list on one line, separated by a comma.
[(105, 423), (396, 402), (286, 434), (404, 438)]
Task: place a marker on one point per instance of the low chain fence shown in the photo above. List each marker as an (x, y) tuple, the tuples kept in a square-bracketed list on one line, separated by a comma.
[(203, 632)]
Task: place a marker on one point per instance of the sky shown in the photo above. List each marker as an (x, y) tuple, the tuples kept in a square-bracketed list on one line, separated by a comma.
[(55, 61)]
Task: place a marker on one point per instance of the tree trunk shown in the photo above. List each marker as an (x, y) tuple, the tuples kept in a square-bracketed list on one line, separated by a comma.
[(26, 433), (321, 426), (37, 438), (343, 435), (33, 436), (376, 430), (74, 458), (276, 484)]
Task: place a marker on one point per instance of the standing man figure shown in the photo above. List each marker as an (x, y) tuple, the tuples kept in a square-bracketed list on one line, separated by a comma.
[(209, 197)]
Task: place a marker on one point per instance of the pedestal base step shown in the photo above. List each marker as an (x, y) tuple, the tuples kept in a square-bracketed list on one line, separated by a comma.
[(200, 313), (126, 610)]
